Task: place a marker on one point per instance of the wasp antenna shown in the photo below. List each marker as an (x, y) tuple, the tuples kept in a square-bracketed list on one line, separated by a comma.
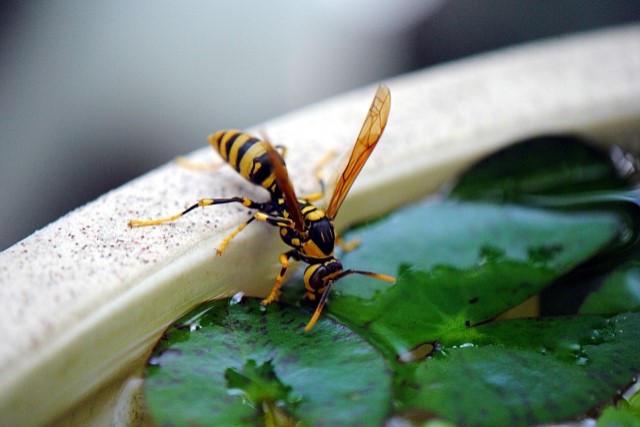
[(378, 276)]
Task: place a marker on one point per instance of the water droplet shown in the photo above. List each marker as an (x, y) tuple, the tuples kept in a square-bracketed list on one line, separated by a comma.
[(237, 298), (582, 361), (571, 352), (193, 323)]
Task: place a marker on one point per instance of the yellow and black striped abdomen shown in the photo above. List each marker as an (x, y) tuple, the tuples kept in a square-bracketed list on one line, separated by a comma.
[(247, 155)]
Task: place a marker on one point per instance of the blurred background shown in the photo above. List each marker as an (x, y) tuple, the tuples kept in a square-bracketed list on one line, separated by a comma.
[(93, 94)]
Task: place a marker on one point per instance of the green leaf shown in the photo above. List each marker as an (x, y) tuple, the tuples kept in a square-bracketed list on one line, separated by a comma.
[(480, 261), (468, 234), (236, 365), (498, 256), (431, 348), (528, 372), (626, 412), (619, 292), (562, 172), (543, 165), (619, 416), (257, 384)]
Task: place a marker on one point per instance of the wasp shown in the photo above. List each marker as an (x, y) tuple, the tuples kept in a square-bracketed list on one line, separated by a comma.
[(304, 227)]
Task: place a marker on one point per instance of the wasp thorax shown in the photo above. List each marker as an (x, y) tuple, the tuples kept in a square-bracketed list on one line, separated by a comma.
[(322, 236), (317, 276)]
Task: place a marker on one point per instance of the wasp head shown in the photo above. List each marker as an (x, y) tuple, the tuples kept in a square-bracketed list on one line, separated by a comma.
[(318, 276)]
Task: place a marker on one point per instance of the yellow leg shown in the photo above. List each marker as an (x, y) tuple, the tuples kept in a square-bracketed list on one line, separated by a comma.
[(201, 203), (142, 223), (145, 223), (347, 246), (313, 197), (190, 164), (260, 216), (284, 261), (223, 245), (276, 221), (324, 161)]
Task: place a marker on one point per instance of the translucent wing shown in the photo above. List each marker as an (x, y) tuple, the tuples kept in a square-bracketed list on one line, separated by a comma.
[(369, 136), (284, 183)]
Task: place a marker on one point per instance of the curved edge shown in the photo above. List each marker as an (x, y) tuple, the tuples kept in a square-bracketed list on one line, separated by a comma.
[(82, 300)]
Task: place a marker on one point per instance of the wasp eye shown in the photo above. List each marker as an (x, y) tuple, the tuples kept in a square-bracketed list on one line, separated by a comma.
[(317, 275), (316, 279)]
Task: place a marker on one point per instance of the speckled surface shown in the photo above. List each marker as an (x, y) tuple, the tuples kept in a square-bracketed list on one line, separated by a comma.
[(82, 300)]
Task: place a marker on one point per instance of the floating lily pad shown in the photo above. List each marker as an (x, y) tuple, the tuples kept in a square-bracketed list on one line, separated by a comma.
[(528, 372), (233, 365), (619, 292), (433, 345), (481, 260), (545, 165)]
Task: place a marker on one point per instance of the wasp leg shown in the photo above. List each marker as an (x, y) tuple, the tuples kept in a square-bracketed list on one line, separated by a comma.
[(378, 276), (284, 261), (326, 159), (223, 245), (190, 164), (201, 203), (315, 196), (282, 150), (347, 246), (325, 293), (260, 216), (277, 221)]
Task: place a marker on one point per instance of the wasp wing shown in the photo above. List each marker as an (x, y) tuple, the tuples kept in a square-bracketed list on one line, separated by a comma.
[(284, 183), (369, 136)]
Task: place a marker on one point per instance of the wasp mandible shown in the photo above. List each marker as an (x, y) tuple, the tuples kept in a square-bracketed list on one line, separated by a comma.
[(307, 229)]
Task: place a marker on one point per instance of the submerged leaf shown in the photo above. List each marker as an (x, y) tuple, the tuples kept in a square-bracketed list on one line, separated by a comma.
[(481, 260), (554, 164), (465, 235), (256, 383), (235, 365), (527, 372), (620, 292)]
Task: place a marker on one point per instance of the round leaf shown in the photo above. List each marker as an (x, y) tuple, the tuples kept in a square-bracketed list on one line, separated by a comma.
[(235, 365)]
